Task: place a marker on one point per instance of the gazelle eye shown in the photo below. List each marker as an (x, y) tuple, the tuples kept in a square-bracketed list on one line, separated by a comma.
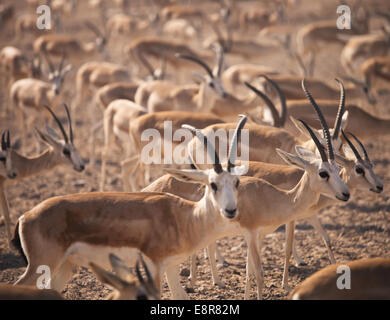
[(359, 170), (211, 84), (2, 159), (214, 186), (324, 175), (66, 152), (237, 183)]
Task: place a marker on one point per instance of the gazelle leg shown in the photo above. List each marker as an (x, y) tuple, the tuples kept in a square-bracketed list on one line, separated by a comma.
[(219, 256), (177, 291), (299, 261), (254, 258), (192, 276), (62, 276), (5, 211), (127, 178), (214, 272), (290, 227), (315, 222)]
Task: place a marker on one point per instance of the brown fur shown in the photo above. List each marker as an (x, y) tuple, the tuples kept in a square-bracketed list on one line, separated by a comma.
[(370, 279)]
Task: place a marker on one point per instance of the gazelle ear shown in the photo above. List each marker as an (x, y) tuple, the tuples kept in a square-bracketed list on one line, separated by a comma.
[(293, 160), (52, 133), (240, 170), (107, 277), (344, 120), (303, 130), (49, 140), (344, 162), (193, 176), (305, 153), (348, 152)]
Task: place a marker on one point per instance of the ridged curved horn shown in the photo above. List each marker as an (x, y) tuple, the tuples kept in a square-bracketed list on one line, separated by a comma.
[(234, 142), (220, 58), (59, 124), (340, 112), (324, 125), (69, 122), (365, 154), (196, 60), (8, 140), (210, 148), (271, 106), (3, 142), (320, 147), (147, 272), (282, 98), (355, 152)]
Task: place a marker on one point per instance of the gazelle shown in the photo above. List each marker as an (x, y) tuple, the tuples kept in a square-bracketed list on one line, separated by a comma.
[(76, 51), (158, 48), (163, 95), (290, 86), (126, 285), (360, 48), (60, 151), (80, 228), (209, 96), (31, 94), (369, 279)]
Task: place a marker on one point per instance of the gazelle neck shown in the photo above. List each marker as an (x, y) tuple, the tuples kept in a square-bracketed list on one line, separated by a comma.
[(302, 196), (205, 223), (31, 166)]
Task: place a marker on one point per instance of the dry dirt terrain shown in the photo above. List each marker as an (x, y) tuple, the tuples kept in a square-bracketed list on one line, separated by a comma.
[(358, 229)]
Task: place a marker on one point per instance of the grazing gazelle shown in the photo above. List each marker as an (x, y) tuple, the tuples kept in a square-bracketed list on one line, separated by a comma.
[(368, 278), (126, 285), (60, 151), (76, 229)]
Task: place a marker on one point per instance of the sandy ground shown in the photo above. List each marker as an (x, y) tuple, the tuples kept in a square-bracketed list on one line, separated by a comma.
[(358, 229)]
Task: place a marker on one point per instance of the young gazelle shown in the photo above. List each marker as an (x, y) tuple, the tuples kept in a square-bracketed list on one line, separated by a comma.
[(126, 285), (60, 151), (369, 279), (70, 230)]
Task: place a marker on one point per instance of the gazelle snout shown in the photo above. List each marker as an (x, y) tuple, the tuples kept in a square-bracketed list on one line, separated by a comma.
[(230, 213), (377, 189), (12, 175), (344, 196)]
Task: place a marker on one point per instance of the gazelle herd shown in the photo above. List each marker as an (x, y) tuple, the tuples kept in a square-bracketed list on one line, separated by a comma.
[(260, 147)]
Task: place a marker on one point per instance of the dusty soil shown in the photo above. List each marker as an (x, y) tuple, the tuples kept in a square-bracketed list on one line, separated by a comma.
[(358, 229)]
